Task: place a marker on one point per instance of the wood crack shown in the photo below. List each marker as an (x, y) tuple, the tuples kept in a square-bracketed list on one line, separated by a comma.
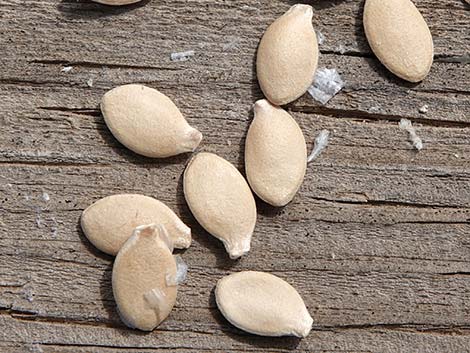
[(91, 64)]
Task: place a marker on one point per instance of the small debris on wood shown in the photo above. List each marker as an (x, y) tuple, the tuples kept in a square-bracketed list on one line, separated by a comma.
[(342, 49), (326, 84), (406, 124), (67, 69), (182, 56), (320, 38), (89, 82), (423, 109), (45, 196), (320, 143)]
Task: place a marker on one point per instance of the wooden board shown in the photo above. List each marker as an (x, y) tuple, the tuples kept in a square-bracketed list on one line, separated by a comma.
[(376, 241)]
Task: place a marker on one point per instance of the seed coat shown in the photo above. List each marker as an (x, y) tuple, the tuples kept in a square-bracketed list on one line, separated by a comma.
[(275, 154), (221, 200), (399, 37), (263, 304), (148, 122), (288, 56), (139, 278), (110, 221)]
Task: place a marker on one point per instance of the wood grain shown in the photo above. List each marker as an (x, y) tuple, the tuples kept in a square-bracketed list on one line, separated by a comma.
[(376, 241)]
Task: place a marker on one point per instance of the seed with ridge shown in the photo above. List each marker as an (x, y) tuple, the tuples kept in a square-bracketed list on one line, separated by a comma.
[(117, 2), (109, 222), (140, 286), (288, 56), (275, 154), (148, 122), (399, 37), (262, 304), (221, 200)]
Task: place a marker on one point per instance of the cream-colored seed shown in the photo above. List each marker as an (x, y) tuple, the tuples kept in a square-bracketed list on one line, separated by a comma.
[(262, 304), (221, 200), (399, 37), (140, 287), (117, 2), (288, 56), (148, 122), (275, 154), (110, 221)]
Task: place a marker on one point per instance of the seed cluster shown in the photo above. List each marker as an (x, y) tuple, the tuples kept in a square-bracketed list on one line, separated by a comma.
[(142, 232)]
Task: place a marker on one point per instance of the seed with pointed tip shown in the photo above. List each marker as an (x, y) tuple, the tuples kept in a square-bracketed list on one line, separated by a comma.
[(110, 221), (399, 37), (148, 122), (275, 154), (288, 56), (262, 304), (221, 200), (139, 279)]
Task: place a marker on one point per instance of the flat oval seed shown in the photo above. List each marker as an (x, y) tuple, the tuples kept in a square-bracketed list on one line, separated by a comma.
[(117, 2), (221, 200), (148, 122), (288, 56), (109, 222), (399, 37), (262, 304), (139, 279), (275, 154)]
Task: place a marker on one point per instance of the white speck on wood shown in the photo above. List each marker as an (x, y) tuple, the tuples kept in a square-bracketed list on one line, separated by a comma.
[(320, 38), (66, 69), (406, 125), (321, 141), (342, 49), (45, 196), (89, 82), (423, 109), (182, 56), (326, 84)]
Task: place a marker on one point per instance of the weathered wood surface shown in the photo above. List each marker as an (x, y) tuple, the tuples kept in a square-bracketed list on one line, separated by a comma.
[(377, 240)]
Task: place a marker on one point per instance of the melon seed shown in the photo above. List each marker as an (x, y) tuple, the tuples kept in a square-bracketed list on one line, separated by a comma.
[(110, 221), (143, 264), (399, 37), (148, 122), (221, 200), (275, 154), (262, 304), (288, 56)]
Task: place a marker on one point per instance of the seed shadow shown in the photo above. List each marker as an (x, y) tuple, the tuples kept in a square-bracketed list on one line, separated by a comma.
[(199, 234), (90, 247), (261, 342), (87, 9), (318, 4)]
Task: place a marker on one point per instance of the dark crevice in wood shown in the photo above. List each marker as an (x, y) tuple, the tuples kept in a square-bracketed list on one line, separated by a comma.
[(22, 163), (381, 203), (461, 330), (91, 64), (78, 111), (462, 59), (358, 115), (356, 54), (456, 274)]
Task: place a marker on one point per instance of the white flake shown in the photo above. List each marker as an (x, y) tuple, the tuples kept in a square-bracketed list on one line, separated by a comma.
[(321, 141), (326, 84), (406, 124), (423, 109), (89, 82), (66, 69), (45, 196), (182, 56), (320, 38)]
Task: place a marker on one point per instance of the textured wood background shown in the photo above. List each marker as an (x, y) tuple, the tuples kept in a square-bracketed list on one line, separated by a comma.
[(377, 241)]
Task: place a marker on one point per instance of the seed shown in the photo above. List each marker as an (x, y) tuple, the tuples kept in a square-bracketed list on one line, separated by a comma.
[(275, 154), (399, 37), (116, 2), (221, 200), (288, 56), (263, 304), (148, 122), (142, 293), (109, 222)]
